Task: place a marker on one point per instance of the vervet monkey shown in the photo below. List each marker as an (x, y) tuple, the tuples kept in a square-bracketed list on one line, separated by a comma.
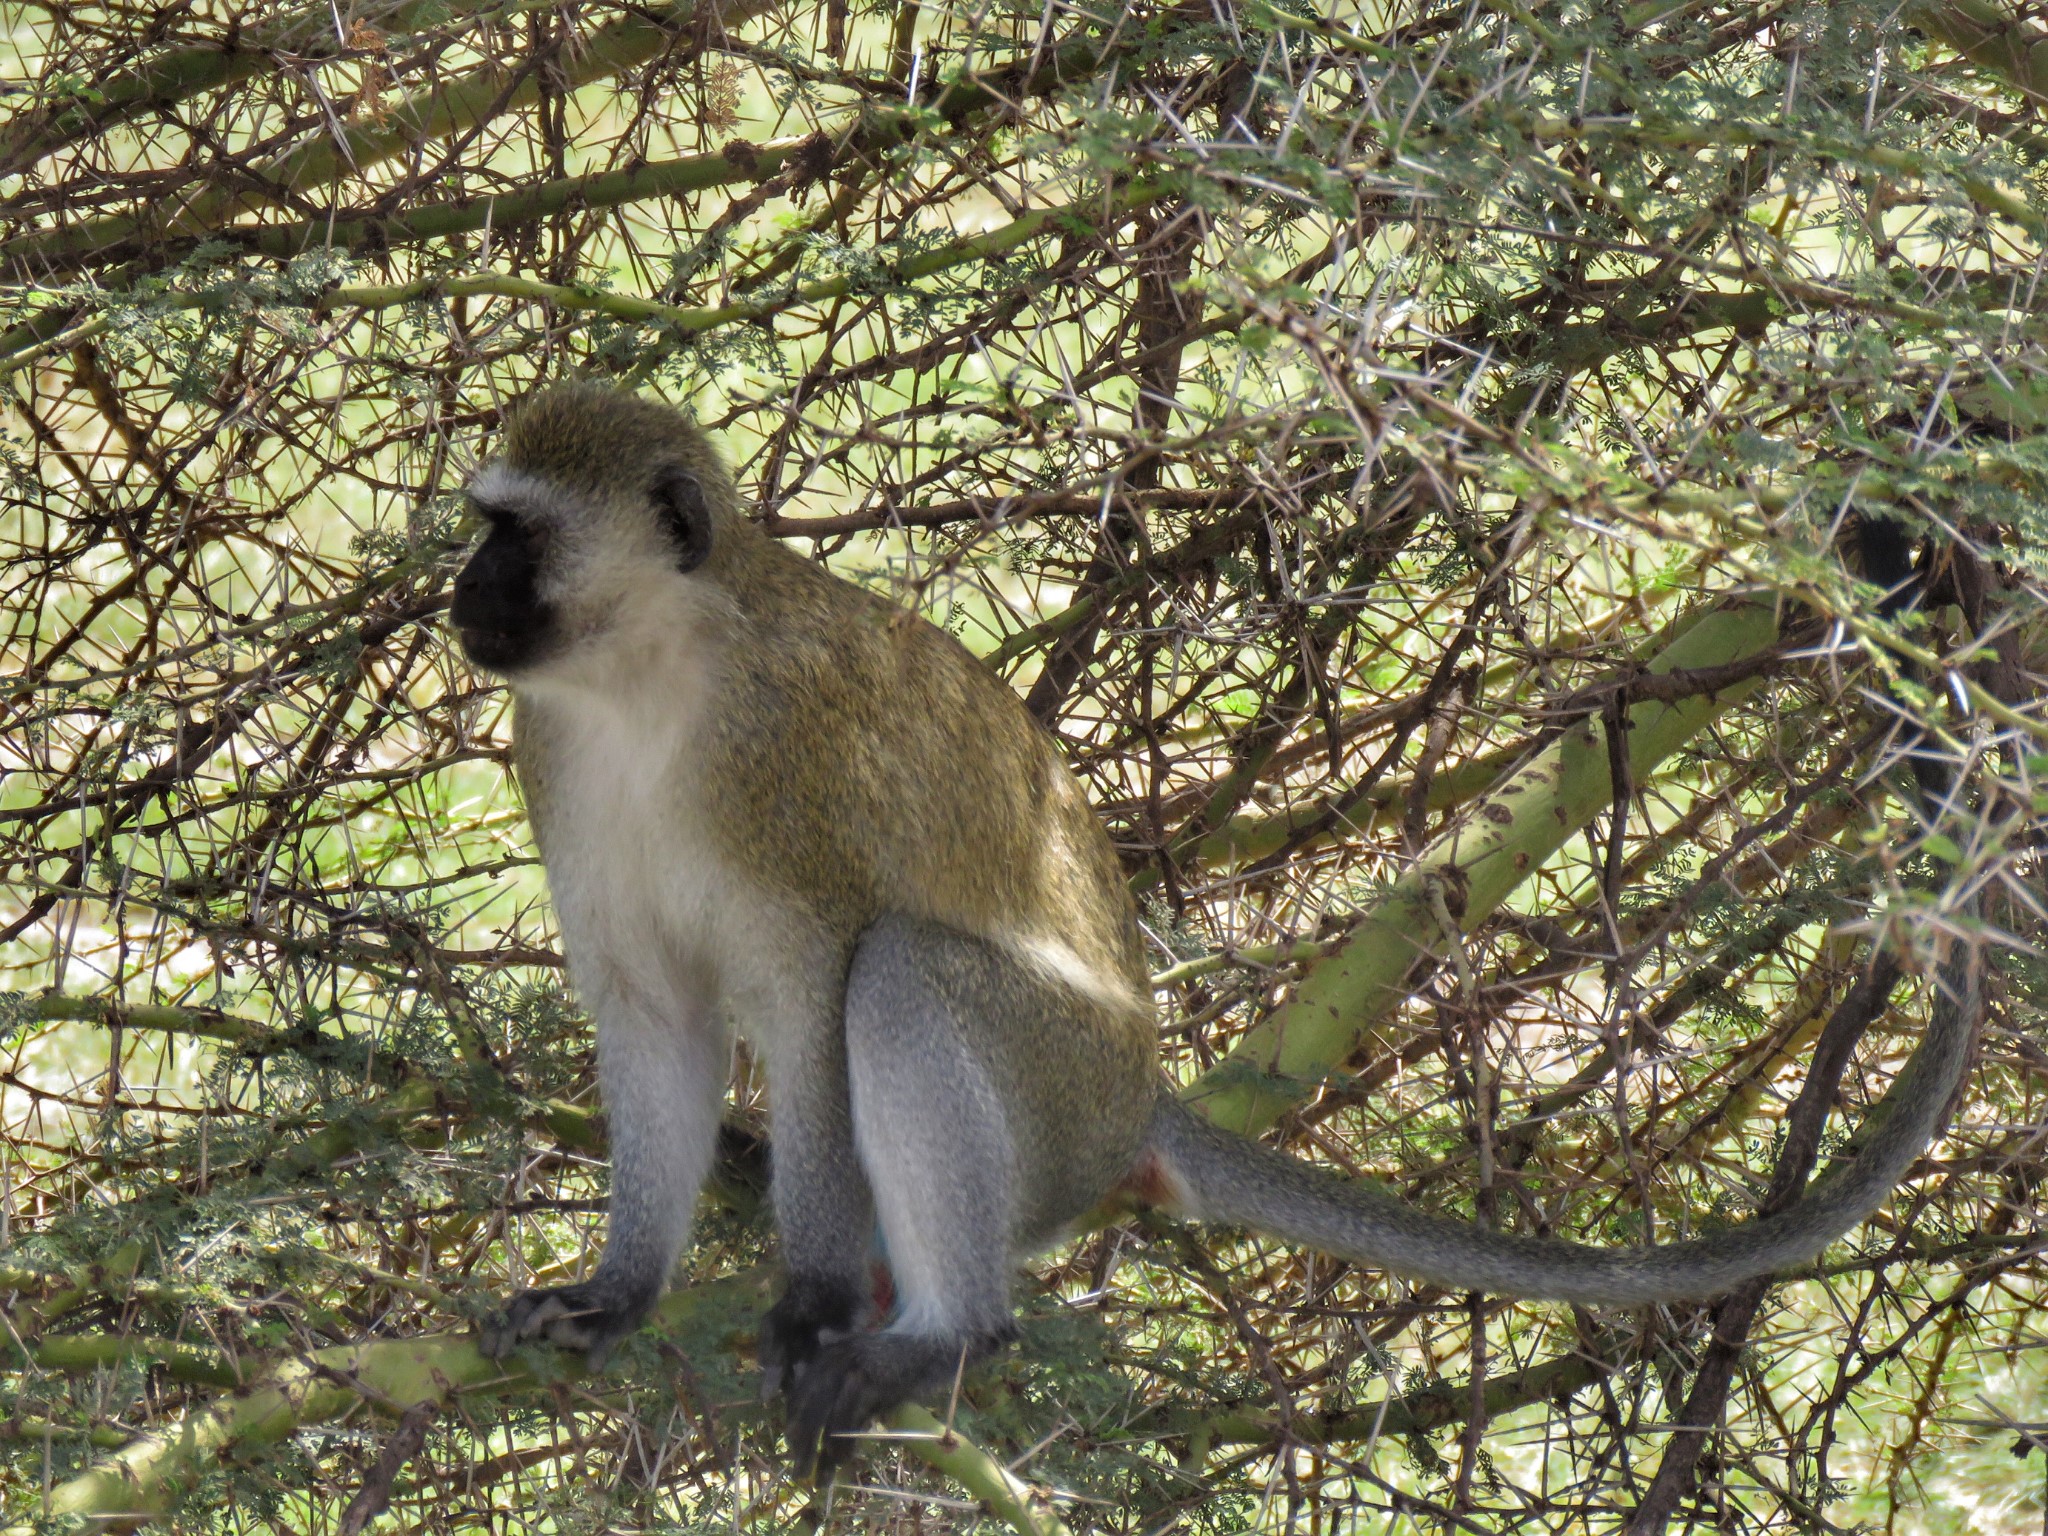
[(766, 796)]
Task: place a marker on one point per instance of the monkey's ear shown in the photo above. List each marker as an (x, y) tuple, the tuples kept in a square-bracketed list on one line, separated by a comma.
[(685, 516)]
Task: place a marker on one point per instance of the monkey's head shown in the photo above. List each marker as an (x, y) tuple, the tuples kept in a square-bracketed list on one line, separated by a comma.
[(604, 513)]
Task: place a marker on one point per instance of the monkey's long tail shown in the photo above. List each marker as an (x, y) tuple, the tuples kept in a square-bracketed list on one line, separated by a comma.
[(1217, 1175)]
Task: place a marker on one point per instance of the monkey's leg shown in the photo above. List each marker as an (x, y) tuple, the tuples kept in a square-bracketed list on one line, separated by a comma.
[(662, 1080), (823, 1209), (929, 1122)]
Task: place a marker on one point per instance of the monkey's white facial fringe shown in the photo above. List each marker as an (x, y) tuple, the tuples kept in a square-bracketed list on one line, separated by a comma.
[(629, 621)]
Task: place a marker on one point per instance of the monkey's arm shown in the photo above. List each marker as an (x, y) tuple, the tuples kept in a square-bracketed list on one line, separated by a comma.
[(1218, 1176), (661, 1074)]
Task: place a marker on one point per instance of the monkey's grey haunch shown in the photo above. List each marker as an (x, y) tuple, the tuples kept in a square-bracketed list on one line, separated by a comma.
[(766, 798)]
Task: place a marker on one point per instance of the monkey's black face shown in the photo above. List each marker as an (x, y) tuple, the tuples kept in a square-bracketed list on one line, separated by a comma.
[(504, 622)]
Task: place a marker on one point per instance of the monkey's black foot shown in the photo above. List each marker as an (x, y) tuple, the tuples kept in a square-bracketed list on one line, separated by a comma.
[(813, 1312), (590, 1317), (849, 1383)]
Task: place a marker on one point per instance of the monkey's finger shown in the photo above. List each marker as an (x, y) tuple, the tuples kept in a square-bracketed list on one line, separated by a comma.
[(814, 1400), (532, 1316), (840, 1437), (828, 1410)]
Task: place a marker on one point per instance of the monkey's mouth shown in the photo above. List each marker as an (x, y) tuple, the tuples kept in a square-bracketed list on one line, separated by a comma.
[(500, 650)]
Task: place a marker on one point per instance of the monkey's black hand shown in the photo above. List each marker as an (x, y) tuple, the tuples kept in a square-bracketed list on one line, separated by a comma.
[(847, 1384), (591, 1317), (811, 1313), (852, 1382)]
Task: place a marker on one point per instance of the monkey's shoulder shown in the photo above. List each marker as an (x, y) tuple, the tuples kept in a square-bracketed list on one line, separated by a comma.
[(867, 745), (865, 669)]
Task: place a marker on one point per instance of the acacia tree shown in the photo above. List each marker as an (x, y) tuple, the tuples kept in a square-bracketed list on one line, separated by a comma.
[(1423, 462)]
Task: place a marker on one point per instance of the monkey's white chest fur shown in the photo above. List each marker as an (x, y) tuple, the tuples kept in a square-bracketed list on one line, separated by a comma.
[(648, 908)]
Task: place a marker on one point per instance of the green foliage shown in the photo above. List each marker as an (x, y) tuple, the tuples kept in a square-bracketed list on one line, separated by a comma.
[(1317, 414)]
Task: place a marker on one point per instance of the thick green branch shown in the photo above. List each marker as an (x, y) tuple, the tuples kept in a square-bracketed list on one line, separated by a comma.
[(440, 111), (1469, 870), (178, 74), (876, 130), (1420, 1411), (145, 1478), (983, 247), (1986, 35)]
